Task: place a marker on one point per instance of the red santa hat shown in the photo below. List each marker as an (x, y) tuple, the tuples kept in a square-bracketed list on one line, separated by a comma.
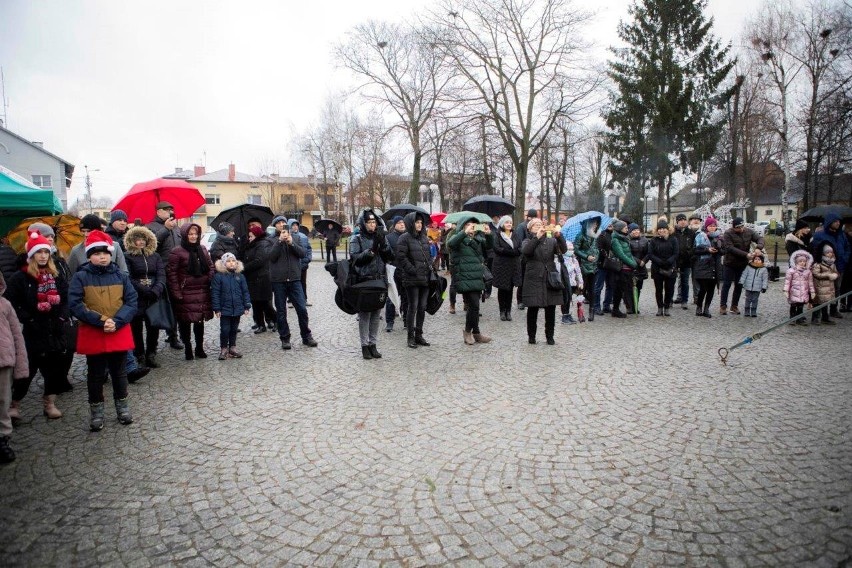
[(36, 243), (98, 241)]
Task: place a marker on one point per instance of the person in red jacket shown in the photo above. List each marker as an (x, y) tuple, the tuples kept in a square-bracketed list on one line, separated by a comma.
[(104, 300)]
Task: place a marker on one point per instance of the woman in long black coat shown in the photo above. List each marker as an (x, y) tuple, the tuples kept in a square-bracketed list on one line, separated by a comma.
[(506, 267), (664, 251), (540, 250), (414, 264), (256, 272)]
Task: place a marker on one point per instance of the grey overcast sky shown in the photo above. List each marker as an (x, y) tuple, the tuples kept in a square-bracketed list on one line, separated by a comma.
[(135, 88)]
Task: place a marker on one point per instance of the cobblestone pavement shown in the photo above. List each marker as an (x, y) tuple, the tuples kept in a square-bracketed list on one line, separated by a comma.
[(626, 444)]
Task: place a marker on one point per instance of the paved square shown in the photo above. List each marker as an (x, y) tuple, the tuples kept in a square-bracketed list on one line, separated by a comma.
[(628, 443)]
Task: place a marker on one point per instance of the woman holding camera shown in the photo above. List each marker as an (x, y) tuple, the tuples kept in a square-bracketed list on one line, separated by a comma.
[(540, 251), (467, 259)]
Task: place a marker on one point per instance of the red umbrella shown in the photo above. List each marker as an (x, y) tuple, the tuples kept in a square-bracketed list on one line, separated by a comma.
[(141, 201), (438, 217)]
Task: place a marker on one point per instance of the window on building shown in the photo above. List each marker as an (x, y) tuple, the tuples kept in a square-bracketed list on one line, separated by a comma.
[(254, 199), (212, 198), (288, 201), (768, 212), (309, 201), (211, 185), (42, 181)]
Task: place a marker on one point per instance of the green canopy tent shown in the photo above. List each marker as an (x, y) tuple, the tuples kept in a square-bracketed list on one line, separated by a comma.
[(20, 199)]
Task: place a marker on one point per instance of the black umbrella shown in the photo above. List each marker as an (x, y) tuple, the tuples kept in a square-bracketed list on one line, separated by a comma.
[(404, 209), (491, 205), (818, 213), (239, 217), (325, 225)]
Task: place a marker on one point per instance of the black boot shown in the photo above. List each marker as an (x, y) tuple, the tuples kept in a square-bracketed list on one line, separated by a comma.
[(411, 341), (6, 453), (187, 351), (659, 311), (365, 352), (374, 352), (666, 312), (199, 344), (418, 338), (509, 314), (502, 315)]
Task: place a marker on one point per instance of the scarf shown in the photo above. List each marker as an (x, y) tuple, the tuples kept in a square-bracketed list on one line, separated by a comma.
[(47, 294), (508, 239), (197, 260)]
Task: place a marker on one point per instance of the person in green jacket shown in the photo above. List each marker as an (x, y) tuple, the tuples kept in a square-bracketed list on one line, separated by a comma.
[(467, 258), (624, 279), (586, 251)]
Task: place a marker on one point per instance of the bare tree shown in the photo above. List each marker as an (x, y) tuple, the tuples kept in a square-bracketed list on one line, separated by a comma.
[(523, 61), (401, 69)]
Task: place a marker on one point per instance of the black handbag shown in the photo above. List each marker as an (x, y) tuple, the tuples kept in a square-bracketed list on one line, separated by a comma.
[(554, 280), (613, 264), (487, 277), (437, 286), (665, 272), (160, 314)]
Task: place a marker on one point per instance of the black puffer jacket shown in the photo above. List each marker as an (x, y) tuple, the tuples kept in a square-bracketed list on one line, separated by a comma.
[(685, 238), (221, 245), (639, 249), (506, 267), (412, 255), (8, 261), (664, 254), (146, 269), (43, 331), (604, 245), (369, 252), (256, 269)]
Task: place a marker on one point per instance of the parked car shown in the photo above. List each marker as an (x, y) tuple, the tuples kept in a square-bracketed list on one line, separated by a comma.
[(208, 238)]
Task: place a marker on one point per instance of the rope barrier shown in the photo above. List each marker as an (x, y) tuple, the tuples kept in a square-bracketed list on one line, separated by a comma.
[(725, 352)]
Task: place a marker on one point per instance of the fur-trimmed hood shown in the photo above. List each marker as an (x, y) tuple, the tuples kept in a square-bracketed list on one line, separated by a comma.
[(136, 232), (795, 256), (220, 266)]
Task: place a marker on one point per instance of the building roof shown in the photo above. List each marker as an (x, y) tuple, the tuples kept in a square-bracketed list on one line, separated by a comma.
[(222, 176), (69, 167)]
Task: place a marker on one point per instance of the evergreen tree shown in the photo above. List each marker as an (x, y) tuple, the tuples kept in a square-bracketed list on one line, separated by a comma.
[(667, 86), (595, 197)]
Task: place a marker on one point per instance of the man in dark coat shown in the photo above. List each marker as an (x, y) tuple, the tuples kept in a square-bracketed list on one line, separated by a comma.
[(736, 245), (285, 272), (164, 227), (117, 228), (685, 238)]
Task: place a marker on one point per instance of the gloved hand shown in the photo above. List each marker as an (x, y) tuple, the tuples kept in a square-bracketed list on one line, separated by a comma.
[(763, 291)]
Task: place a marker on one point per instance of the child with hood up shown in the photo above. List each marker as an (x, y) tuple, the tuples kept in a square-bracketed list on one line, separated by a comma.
[(231, 299), (754, 280), (799, 284), (825, 275), (570, 270), (14, 364)]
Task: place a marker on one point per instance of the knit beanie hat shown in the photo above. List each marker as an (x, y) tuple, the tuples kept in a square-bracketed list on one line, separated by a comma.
[(396, 219), (632, 227), (98, 241), (43, 229), (91, 222), (710, 220), (228, 256), (503, 220), (532, 213), (35, 243), (680, 217), (225, 229), (117, 215), (800, 224), (662, 224), (256, 231), (618, 226)]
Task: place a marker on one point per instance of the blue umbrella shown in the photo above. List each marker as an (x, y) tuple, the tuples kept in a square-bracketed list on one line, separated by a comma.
[(572, 226)]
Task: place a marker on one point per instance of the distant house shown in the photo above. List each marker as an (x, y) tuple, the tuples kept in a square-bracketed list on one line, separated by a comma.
[(30, 160), (293, 197)]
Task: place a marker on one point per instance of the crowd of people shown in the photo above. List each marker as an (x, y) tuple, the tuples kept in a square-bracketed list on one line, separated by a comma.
[(97, 300)]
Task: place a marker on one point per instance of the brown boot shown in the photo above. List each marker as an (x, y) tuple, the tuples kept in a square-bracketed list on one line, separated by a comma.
[(15, 410), (50, 409), (468, 338), (481, 338), (452, 308)]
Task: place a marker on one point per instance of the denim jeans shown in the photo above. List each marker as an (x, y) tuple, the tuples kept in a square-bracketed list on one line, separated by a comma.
[(683, 284), (603, 277), (292, 291)]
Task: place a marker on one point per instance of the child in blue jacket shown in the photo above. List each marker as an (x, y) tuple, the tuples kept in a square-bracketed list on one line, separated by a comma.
[(231, 300), (754, 280)]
